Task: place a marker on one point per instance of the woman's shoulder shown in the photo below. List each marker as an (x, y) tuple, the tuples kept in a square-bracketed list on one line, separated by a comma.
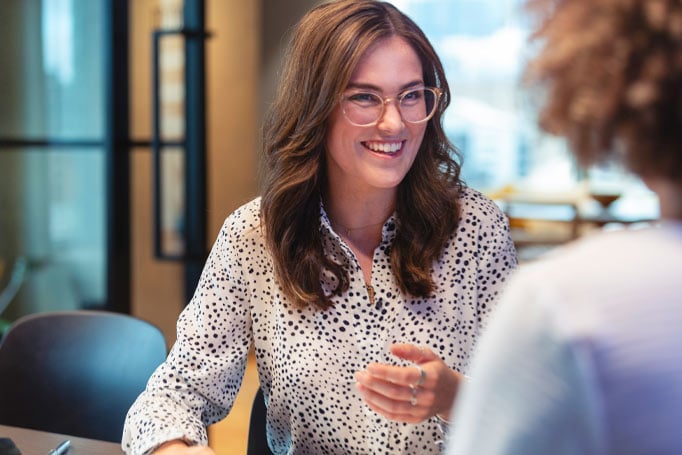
[(655, 248), (475, 203), (244, 219)]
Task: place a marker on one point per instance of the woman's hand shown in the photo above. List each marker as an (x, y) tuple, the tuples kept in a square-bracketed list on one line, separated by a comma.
[(178, 447), (413, 393)]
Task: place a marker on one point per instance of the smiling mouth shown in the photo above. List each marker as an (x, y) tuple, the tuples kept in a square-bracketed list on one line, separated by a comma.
[(386, 148)]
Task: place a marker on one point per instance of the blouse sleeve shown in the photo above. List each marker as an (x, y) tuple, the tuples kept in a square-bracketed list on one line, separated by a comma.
[(197, 384), (496, 258)]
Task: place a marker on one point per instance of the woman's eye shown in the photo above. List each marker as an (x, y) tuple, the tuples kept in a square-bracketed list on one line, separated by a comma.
[(364, 98), (412, 95)]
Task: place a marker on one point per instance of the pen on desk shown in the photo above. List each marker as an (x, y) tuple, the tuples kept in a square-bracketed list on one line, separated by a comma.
[(61, 449)]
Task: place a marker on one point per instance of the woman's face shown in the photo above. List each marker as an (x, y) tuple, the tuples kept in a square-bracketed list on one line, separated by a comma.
[(376, 158)]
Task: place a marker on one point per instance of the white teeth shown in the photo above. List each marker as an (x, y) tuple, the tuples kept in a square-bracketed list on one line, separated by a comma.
[(391, 147)]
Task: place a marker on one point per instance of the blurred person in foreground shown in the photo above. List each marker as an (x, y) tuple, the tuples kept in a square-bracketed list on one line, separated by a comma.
[(362, 276), (584, 352)]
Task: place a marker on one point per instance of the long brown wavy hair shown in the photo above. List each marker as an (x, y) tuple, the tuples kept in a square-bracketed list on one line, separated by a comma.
[(325, 48), (610, 72)]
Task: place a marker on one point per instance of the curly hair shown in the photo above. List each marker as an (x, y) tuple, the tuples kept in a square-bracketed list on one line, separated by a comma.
[(611, 75), (324, 50)]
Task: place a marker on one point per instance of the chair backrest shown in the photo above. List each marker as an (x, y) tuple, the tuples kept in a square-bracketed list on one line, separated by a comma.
[(76, 372), (258, 436)]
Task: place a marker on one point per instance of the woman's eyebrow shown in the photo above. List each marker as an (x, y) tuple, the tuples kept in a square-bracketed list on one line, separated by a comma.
[(374, 88)]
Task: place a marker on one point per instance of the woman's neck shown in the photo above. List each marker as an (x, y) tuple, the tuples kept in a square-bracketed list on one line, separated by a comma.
[(352, 211), (359, 220)]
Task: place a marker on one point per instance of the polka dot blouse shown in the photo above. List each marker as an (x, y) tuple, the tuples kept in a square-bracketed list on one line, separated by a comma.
[(307, 358)]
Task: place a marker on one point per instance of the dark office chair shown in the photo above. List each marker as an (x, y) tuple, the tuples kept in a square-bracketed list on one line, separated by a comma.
[(76, 372), (258, 437)]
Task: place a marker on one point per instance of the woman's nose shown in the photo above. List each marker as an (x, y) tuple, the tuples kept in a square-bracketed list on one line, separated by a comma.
[(391, 119)]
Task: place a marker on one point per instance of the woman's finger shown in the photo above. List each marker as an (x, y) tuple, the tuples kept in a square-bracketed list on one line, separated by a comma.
[(412, 409), (413, 353), (388, 389), (412, 375)]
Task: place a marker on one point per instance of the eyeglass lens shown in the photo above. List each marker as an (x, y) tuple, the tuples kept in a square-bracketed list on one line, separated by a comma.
[(366, 108)]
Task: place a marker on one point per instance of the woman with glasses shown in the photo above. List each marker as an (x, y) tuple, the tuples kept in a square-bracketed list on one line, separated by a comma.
[(363, 274)]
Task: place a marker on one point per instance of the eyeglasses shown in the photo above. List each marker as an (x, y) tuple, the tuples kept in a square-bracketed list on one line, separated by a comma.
[(416, 105)]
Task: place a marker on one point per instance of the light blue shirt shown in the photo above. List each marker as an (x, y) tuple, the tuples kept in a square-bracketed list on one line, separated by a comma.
[(583, 355)]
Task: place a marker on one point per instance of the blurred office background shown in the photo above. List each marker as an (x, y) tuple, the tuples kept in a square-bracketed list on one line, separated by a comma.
[(129, 129)]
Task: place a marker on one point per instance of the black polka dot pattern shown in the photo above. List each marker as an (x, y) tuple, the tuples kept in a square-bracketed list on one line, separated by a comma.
[(307, 358)]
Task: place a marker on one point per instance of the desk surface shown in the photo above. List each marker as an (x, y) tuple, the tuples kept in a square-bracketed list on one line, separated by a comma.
[(33, 442)]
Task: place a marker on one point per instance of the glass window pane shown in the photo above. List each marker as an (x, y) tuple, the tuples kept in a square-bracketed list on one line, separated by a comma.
[(482, 44), (484, 47), (52, 82), (52, 215)]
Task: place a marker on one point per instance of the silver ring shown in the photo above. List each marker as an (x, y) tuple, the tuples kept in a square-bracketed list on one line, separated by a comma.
[(422, 376), (413, 399)]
